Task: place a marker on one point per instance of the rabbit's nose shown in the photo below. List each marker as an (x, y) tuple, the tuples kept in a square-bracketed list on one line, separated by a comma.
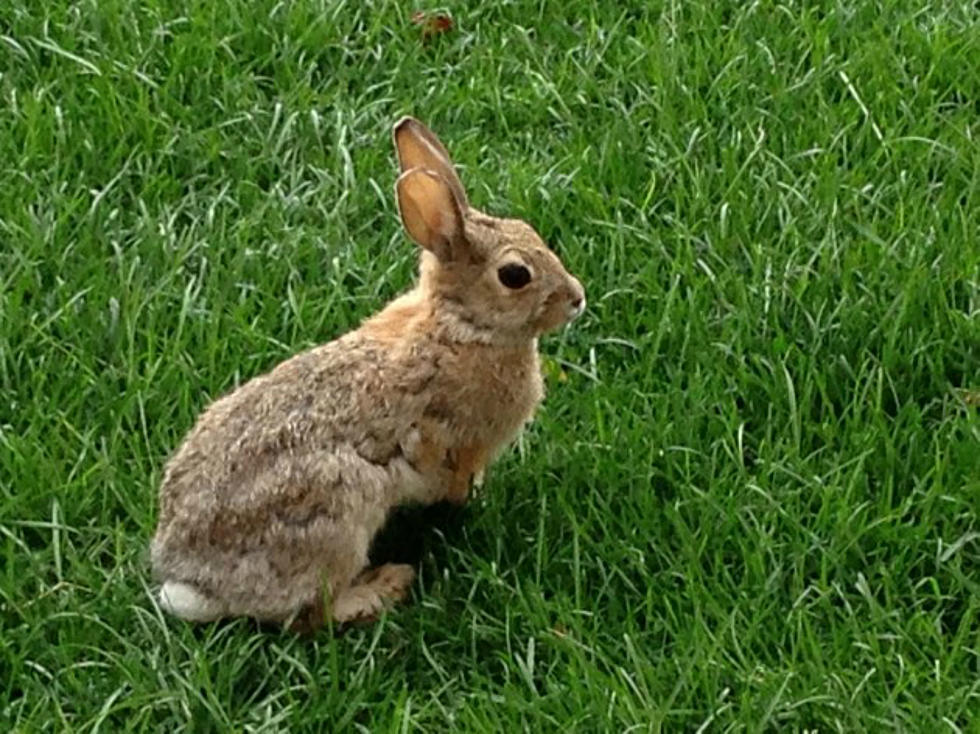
[(578, 297), (577, 300)]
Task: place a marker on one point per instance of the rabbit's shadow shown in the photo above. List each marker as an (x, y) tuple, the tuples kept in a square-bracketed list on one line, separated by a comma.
[(413, 531)]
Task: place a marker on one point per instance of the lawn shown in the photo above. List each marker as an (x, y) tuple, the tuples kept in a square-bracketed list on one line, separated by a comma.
[(750, 501)]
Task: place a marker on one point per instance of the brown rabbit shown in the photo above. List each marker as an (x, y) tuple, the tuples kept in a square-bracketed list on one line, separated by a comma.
[(270, 504)]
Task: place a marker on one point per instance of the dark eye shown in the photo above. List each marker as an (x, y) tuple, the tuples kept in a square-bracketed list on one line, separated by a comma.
[(513, 275)]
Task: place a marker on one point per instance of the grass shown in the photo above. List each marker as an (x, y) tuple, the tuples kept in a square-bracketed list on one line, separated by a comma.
[(750, 501)]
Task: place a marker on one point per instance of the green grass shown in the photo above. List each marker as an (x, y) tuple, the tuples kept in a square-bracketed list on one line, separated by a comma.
[(751, 499)]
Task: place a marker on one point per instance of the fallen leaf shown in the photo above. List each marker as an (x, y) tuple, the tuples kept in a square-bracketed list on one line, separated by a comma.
[(432, 24), (971, 397)]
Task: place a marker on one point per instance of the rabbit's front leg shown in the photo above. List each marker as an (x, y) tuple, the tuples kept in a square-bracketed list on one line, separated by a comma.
[(448, 463), (467, 463)]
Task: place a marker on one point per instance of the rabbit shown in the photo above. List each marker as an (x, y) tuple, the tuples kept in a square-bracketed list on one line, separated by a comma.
[(268, 507)]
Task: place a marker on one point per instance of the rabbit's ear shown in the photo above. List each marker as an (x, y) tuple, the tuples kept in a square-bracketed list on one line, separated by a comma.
[(418, 147), (430, 212)]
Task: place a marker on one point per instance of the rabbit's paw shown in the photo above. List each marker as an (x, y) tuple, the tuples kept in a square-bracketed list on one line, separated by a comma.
[(391, 581), (372, 591), (357, 604)]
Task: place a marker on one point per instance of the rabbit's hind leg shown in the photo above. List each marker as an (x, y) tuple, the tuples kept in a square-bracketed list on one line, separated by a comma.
[(371, 592)]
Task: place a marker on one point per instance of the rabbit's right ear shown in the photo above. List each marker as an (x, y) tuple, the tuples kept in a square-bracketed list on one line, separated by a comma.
[(418, 147), (430, 212)]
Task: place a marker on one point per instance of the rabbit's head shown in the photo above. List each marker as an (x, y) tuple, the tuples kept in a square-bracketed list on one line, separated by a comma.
[(495, 279)]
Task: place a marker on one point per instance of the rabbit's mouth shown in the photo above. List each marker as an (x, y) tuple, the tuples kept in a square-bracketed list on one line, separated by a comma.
[(557, 314), (576, 309)]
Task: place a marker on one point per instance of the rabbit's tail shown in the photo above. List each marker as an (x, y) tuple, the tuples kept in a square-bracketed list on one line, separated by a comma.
[(184, 601)]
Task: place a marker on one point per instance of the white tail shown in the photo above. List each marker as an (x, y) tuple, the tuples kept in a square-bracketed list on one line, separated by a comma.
[(184, 601)]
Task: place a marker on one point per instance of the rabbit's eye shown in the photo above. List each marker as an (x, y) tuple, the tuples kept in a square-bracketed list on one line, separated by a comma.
[(514, 276)]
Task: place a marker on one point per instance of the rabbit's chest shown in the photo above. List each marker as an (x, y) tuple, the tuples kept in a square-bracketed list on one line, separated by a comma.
[(488, 400), (464, 425)]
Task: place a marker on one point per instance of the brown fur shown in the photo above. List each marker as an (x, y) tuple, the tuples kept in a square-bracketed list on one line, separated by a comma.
[(270, 504)]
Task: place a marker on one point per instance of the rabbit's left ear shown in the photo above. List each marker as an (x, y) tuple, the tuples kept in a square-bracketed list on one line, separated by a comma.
[(418, 147), (430, 212)]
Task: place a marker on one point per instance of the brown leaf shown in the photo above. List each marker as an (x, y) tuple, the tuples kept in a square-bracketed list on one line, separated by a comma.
[(432, 23)]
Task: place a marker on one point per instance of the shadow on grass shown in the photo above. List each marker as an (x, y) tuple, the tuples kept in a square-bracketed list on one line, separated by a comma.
[(412, 532)]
